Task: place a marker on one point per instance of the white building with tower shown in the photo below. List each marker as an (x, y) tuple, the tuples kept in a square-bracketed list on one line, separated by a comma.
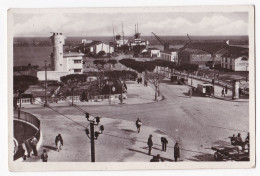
[(62, 63)]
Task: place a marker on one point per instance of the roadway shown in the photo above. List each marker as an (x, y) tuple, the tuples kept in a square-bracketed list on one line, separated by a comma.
[(196, 123)]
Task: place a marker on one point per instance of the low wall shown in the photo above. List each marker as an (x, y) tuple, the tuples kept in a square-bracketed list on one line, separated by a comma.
[(51, 75)]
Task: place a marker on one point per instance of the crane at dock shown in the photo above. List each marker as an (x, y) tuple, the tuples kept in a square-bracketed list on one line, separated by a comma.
[(165, 44), (189, 38)]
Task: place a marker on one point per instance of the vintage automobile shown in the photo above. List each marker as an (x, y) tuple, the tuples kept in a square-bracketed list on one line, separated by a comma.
[(230, 152)]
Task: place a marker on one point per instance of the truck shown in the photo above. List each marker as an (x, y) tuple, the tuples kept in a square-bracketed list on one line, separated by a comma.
[(205, 89)]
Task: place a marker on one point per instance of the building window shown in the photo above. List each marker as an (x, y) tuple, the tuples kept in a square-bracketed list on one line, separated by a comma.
[(77, 70), (77, 61)]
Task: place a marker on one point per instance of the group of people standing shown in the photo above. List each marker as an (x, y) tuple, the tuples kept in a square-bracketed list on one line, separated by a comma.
[(58, 143), (237, 141), (26, 145), (164, 142), (140, 80)]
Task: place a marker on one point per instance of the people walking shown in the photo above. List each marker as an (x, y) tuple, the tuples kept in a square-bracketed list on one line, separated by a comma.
[(150, 144), (58, 142), (164, 142), (176, 151), (223, 93), (138, 124), (34, 142), (44, 156)]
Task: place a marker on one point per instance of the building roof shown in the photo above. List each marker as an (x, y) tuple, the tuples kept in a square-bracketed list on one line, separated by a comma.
[(72, 54), (169, 51), (210, 47), (39, 91), (94, 42), (153, 49), (234, 51), (236, 55), (193, 51)]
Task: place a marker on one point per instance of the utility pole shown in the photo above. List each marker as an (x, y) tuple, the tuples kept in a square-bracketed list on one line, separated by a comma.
[(93, 134), (92, 141), (45, 104), (113, 34)]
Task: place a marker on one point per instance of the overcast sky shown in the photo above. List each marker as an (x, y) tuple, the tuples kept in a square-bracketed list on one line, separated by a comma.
[(100, 24)]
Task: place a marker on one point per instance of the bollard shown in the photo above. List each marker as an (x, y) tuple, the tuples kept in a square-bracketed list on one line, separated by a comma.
[(235, 89)]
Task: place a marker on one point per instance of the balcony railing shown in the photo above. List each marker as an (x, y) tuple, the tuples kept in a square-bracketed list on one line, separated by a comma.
[(27, 117)]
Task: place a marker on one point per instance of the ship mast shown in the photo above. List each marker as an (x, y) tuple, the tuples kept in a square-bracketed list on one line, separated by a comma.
[(123, 34)]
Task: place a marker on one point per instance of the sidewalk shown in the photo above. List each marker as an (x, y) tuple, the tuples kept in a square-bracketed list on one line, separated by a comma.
[(120, 141), (136, 94), (218, 91)]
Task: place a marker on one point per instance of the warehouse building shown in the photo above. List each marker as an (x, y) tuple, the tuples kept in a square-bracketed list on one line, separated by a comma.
[(194, 56), (235, 59), (170, 55), (201, 53), (95, 47), (154, 52)]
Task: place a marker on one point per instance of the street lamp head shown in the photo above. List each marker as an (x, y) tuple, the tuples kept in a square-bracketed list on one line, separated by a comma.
[(96, 134), (97, 119), (87, 131), (87, 115), (101, 128)]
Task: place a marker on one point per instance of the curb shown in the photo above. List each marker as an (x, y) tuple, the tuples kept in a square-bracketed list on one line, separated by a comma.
[(230, 99)]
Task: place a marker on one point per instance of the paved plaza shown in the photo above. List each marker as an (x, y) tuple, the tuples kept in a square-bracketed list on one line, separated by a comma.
[(197, 123)]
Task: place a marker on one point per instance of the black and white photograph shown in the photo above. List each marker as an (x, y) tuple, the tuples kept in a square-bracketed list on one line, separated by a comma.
[(119, 88)]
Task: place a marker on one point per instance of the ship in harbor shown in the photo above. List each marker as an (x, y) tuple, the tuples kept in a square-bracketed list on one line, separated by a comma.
[(138, 45)]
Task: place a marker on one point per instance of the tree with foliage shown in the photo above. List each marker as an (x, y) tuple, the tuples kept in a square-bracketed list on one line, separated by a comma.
[(101, 53), (22, 82), (155, 78), (99, 63), (72, 81), (83, 97), (112, 62), (119, 77)]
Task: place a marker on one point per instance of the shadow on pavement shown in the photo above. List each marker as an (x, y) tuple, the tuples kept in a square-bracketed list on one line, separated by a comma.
[(138, 151), (50, 147), (129, 131), (221, 142), (204, 157), (169, 82)]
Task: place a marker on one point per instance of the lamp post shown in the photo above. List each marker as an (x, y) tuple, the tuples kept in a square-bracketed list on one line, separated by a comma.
[(93, 134), (45, 104)]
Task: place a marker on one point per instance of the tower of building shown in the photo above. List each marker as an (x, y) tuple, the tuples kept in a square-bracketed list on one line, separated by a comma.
[(57, 40)]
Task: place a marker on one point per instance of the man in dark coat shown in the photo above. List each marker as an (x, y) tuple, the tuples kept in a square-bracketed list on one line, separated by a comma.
[(150, 144), (226, 89), (58, 142), (138, 124), (222, 93), (233, 140), (164, 142), (176, 151)]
